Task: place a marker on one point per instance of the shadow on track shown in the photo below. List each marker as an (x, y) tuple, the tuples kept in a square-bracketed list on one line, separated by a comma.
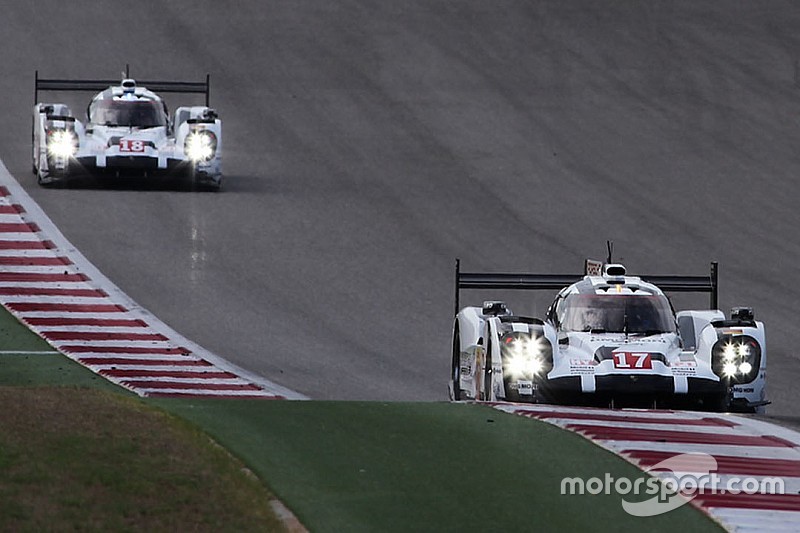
[(132, 183)]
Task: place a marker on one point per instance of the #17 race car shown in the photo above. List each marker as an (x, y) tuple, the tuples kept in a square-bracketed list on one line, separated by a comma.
[(128, 131), (608, 339)]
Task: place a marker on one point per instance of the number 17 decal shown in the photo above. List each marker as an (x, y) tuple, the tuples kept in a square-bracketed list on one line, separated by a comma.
[(632, 360)]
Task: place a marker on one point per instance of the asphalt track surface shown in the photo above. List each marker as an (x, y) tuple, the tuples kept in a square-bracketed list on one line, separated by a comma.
[(368, 144)]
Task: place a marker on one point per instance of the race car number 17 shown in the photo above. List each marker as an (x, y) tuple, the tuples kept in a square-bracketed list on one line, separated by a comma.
[(130, 145), (632, 360)]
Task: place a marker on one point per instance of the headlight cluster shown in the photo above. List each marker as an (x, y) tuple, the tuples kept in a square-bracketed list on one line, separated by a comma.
[(736, 358), (62, 143), (200, 146), (526, 356)]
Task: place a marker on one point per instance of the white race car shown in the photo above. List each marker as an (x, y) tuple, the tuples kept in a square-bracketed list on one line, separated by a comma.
[(608, 339), (128, 131)]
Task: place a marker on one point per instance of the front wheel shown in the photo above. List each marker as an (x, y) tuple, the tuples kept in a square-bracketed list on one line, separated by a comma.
[(455, 372), (209, 186), (487, 373), (44, 180), (717, 403), (201, 181), (45, 175)]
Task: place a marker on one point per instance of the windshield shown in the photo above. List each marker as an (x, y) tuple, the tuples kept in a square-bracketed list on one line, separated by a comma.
[(601, 313), (134, 113)]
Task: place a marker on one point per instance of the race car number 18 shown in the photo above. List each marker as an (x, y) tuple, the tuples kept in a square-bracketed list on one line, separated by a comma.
[(129, 145), (632, 360)]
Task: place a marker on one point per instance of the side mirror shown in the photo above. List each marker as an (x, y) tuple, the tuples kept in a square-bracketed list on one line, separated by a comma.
[(744, 314), (495, 308)]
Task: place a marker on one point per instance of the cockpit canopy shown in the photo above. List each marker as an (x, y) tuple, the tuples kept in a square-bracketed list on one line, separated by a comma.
[(138, 113), (601, 313)]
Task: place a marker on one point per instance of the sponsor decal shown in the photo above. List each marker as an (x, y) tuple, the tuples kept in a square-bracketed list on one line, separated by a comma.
[(581, 366), (525, 388), (684, 368)]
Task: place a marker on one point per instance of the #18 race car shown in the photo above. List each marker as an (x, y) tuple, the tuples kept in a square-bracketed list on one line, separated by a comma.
[(608, 339), (128, 131)]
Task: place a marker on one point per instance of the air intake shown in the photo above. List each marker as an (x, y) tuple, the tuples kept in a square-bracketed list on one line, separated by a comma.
[(614, 271), (128, 86)]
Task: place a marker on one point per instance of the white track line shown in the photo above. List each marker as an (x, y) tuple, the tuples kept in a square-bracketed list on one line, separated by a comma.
[(33, 352), (15, 274), (660, 435)]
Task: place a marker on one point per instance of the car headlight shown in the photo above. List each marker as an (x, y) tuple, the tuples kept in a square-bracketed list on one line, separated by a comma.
[(736, 358), (525, 356), (200, 146), (62, 143)]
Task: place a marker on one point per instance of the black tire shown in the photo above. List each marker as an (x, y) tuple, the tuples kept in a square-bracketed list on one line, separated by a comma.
[(455, 371), (203, 184), (44, 180), (208, 186), (487, 372), (41, 181), (717, 403)]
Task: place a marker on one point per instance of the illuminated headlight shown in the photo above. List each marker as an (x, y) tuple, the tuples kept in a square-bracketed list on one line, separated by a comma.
[(525, 356), (200, 146), (62, 143), (736, 358), (729, 369), (520, 366), (729, 352)]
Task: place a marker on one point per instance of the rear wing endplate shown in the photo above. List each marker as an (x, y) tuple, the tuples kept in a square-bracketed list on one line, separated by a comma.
[(533, 282), (53, 84)]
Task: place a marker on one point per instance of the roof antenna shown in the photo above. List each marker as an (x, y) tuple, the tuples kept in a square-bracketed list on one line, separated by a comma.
[(610, 246)]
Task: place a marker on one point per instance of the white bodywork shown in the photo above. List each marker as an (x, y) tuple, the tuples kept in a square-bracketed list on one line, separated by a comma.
[(189, 143), (682, 362)]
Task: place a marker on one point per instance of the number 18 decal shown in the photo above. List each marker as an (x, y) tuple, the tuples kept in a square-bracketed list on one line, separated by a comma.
[(130, 145), (632, 360)]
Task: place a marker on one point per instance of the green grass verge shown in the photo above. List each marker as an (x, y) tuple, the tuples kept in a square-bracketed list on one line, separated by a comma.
[(76, 459), (79, 453), (50, 369), (16, 336), (369, 466), (340, 466), (26, 359)]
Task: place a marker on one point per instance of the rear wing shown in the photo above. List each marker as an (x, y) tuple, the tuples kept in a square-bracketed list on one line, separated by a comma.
[(53, 84), (533, 282)]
